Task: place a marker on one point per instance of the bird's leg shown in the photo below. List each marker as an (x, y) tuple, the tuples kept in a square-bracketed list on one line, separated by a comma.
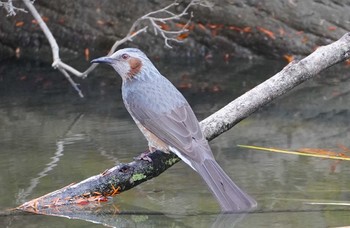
[(151, 149), (144, 155)]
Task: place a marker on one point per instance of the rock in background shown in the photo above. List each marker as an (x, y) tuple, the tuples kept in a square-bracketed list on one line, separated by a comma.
[(231, 28)]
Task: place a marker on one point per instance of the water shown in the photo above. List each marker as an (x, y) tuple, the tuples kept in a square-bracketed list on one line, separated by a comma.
[(50, 138)]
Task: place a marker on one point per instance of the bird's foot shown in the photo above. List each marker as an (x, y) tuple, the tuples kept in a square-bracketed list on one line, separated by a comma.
[(144, 155)]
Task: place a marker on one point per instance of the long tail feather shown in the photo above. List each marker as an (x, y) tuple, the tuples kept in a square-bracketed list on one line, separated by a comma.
[(230, 197)]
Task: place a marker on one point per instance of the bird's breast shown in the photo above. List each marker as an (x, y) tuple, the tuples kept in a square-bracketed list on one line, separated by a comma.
[(155, 95)]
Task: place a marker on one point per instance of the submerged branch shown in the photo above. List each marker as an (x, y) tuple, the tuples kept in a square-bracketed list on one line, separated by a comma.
[(127, 176)]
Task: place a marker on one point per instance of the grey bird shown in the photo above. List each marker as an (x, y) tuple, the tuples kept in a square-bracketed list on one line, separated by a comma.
[(167, 121)]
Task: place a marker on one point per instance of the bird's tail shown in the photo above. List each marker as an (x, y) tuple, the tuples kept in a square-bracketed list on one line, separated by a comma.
[(230, 197)]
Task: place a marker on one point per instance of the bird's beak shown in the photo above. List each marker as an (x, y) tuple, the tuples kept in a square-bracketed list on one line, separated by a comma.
[(107, 60)]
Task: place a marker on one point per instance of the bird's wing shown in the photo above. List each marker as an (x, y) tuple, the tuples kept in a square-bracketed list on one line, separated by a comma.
[(178, 128)]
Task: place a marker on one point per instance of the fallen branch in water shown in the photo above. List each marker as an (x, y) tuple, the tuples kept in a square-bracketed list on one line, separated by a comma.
[(127, 176)]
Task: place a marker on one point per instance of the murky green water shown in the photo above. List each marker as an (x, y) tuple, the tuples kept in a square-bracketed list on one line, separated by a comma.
[(50, 138)]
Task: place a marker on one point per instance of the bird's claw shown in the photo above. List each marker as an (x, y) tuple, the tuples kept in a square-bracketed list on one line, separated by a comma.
[(144, 156)]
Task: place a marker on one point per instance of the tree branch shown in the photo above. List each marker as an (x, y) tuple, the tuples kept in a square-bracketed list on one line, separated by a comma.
[(127, 176), (291, 76), (10, 9), (57, 63)]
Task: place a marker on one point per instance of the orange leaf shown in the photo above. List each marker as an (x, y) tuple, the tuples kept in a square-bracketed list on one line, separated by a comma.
[(267, 32), (234, 28), (87, 54), (190, 27), (201, 26), (46, 19), (182, 36), (299, 32), (289, 58), (213, 26), (180, 25), (247, 29), (185, 85), (347, 62), (19, 23), (164, 26)]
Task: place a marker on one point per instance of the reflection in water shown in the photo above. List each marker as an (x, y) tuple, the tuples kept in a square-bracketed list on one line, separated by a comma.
[(49, 166), (49, 138), (112, 215), (54, 160)]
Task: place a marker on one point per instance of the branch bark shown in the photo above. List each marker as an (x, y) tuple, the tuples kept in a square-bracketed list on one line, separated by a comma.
[(127, 176)]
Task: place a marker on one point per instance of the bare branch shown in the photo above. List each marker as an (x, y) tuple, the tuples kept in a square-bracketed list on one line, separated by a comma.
[(57, 63), (129, 37), (11, 10), (155, 19), (71, 81)]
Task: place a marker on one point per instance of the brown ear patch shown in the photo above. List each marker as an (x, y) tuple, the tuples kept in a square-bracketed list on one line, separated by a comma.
[(135, 67)]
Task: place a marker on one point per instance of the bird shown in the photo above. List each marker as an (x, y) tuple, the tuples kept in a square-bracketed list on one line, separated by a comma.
[(169, 124)]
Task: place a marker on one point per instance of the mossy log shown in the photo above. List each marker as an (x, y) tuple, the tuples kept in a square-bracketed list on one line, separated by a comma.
[(107, 184)]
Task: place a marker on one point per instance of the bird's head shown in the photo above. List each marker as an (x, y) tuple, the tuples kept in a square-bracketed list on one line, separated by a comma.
[(130, 63)]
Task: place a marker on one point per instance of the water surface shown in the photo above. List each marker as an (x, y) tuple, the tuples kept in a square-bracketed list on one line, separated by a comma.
[(50, 138)]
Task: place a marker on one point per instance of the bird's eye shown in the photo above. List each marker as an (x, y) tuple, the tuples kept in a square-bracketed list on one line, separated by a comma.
[(125, 56)]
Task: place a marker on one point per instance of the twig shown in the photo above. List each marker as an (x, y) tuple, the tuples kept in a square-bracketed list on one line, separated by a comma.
[(153, 18), (10, 9)]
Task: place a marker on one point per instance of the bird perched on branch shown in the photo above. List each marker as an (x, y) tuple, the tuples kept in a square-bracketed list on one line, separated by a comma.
[(169, 124)]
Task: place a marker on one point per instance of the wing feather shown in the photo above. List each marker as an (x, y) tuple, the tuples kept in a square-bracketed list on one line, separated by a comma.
[(162, 110), (178, 128)]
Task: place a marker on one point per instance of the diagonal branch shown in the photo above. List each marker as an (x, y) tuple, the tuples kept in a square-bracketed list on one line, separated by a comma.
[(291, 76), (126, 176)]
